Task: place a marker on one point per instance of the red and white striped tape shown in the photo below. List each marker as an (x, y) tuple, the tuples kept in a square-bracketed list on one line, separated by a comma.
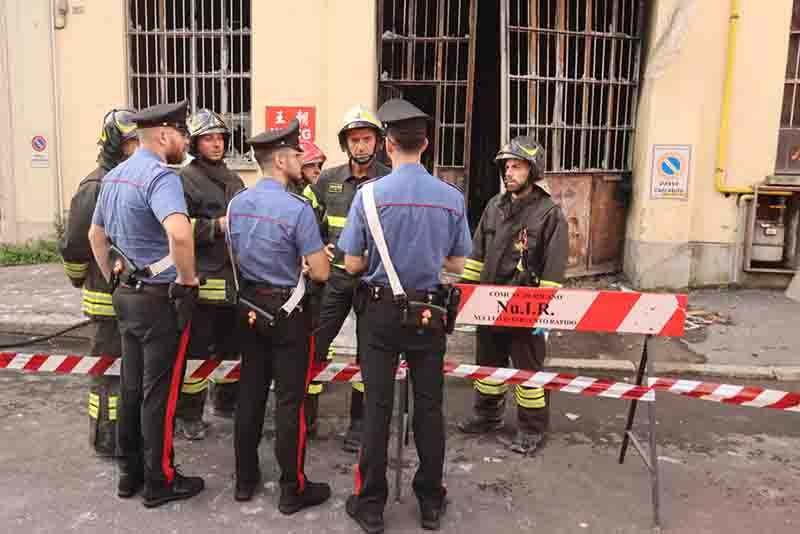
[(752, 396), (573, 309), (336, 372)]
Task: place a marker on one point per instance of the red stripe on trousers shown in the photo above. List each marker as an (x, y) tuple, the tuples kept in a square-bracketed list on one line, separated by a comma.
[(172, 401), (301, 438)]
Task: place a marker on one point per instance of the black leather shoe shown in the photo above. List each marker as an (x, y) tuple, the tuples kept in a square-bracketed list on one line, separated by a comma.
[(182, 487), (431, 514), (129, 484), (370, 523), (314, 493), (245, 491)]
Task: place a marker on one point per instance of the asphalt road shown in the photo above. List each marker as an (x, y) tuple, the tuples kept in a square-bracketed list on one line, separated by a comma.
[(724, 469)]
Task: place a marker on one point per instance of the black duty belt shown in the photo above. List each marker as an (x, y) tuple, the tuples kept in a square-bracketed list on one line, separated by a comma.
[(266, 290), (158, 290), (385, 293)]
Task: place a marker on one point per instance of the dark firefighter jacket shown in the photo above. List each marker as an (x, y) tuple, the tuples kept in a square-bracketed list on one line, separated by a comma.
[(520, 242), (334, 192), (76, 253), (208, 188)]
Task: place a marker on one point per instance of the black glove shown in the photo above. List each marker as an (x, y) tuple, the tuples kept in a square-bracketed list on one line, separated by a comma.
[(184, 300)]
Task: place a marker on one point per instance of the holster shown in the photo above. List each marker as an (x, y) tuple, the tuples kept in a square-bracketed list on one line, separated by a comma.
[(123, 270)]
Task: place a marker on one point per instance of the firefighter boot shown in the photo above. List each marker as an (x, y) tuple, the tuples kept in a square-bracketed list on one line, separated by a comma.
[(223, 398), (189, 415), (488, 416), (103, 398), (526, 443)]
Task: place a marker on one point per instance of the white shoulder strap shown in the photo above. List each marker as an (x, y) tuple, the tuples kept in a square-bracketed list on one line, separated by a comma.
[(299, 290), (374, 223)]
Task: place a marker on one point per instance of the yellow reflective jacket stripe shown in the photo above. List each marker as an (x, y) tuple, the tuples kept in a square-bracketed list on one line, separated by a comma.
[(474, 265), (336, 222), (358, 386), (314, 388), (213, 289), (471, 276), (97, 303), (310, 195), (76, 270)]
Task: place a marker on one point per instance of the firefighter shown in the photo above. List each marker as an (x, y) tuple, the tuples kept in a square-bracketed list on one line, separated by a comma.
[(142, 224), (396, 310), (208, 186), (359, 137), (313, 160), (521, 240), (273, 233), (117, 142)]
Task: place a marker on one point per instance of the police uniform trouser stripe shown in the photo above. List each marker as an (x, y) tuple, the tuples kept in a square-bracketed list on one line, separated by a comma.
[(172, 401), (530, 397), (490, 387)]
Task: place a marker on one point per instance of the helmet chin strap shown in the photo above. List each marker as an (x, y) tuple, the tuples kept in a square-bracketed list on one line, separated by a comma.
[(361, 160)]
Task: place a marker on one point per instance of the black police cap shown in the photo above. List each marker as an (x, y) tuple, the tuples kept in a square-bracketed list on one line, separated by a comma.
[(172, 114), (398, 110), (284, 137)]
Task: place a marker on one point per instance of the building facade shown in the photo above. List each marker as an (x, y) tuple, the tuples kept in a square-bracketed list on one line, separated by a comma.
[(670, 128)]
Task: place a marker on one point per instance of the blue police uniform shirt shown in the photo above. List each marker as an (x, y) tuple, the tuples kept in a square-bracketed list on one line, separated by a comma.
[(424, 221), (270, 230), (135, 198)]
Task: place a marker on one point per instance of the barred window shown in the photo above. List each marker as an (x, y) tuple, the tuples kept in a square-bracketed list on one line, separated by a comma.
[(788, 159), (198, 50), (572, 79), (426, 56)]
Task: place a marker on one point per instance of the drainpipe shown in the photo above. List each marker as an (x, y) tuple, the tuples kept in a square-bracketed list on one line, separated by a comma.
[(724, 122), (54, 20)]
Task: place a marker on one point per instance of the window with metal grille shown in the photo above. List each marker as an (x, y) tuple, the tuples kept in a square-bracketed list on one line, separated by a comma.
[(573, 69), (426, 56), (788, 160), (198, 50)]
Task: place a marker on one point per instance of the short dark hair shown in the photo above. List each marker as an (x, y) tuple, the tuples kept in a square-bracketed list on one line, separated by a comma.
[(265, 156), (409, 135)]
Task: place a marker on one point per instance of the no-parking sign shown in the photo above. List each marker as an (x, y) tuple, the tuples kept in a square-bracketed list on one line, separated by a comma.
[(670, 174)]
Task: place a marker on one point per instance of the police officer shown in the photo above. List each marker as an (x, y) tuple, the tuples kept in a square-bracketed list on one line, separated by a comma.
[(359, 137), (142, 223), (272, 232), (521, 240), (208, 186), (425, 227), (117, 142)]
